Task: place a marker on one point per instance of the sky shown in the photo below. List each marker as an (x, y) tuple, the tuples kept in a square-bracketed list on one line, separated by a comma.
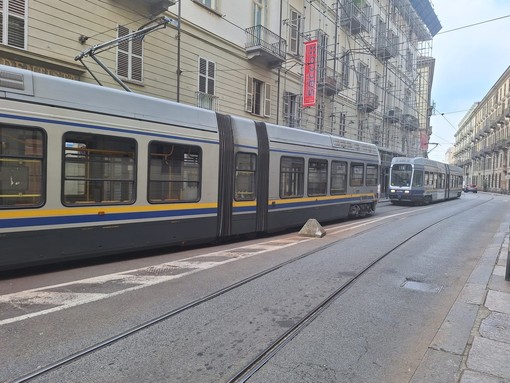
[(469, 61)]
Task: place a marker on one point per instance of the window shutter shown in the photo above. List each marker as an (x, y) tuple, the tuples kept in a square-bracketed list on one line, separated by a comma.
[(137, 59), (129, 56), (206, 76), (1, 22), (294, 31), (211, 78), (248, 106), (16, 18), (123, 53), (267, 100), (202, 71)]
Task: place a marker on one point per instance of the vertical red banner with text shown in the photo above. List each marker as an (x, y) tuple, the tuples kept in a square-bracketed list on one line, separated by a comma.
[(310, 74), (424, 141)]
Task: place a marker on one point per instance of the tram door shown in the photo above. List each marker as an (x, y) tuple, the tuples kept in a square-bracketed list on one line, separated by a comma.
[(447, 186)]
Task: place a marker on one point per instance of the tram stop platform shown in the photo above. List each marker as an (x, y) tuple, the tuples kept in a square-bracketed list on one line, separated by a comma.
[(473, 343)]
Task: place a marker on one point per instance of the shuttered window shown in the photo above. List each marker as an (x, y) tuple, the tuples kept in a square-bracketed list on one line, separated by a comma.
[(294, 32), (129, 56), (206, 76), (257, 97), (13, 22)]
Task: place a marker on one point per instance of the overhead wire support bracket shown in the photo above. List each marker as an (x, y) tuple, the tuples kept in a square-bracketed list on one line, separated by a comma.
[(139, 34)]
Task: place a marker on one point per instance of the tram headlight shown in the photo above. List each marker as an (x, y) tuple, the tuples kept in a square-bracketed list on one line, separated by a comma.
[(406, 191), (392, 190)]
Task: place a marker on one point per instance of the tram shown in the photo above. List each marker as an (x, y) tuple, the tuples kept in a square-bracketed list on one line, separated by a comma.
[(422, 181), (87, 171)]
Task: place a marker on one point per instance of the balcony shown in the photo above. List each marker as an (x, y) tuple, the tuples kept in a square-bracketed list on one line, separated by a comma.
[(265, 47), (410, 122), (487, 126), (329, 82), (367, 102), (207, 101), (355, 16), (155, 6), (386, 45), (506, 112), (393, 115), (502, 143)]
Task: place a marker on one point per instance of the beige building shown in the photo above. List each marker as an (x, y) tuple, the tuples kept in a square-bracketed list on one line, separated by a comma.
[(246, 57), (483, 139)]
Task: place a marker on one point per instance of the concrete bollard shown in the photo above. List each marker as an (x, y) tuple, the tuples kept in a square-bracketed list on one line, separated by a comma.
[(312, 228)]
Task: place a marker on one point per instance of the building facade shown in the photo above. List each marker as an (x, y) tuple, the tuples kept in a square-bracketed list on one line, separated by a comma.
[(373, 67), (483, 138)]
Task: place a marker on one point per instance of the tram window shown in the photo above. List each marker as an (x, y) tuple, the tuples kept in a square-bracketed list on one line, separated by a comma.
[(98, 169), (401, 175), (174, 172), (317, 177), (246, 166), (292, 175), (22, 156), (418, 178), (357, 175), (439, 181), (372, 175), (338, 177)]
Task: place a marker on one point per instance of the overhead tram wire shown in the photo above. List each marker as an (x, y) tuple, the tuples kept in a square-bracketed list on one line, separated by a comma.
[(474, 25)]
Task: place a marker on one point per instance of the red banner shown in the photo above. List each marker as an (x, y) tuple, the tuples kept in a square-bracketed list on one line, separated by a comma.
[(310, 74), (424, 141)]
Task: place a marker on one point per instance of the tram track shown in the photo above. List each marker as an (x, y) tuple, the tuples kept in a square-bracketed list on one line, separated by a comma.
[(266, 355)]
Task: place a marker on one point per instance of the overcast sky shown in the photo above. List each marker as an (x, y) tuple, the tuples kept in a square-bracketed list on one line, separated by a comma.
[(468, 62)]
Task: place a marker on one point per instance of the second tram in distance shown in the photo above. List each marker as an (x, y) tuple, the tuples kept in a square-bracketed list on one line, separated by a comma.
[(421, 180)]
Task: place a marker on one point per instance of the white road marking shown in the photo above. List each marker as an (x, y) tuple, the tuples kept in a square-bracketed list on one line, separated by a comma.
[(148, 276), (140, 278)]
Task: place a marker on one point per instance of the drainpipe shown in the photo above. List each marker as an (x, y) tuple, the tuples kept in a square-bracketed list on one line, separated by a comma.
[(178, 71), (279, 71)]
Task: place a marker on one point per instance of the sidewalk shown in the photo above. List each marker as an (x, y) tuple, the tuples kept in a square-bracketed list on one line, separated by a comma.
[(473, 343), (487, 355)]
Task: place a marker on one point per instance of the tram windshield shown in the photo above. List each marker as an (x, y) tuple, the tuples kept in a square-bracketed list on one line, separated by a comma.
[(401, 175)]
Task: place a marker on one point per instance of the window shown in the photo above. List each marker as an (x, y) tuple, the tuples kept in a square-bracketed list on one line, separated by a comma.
[(206, 84), (174, 172), (319, 116), (345, 69), (401, 175), (13, 23), (22, 156), (361, 130), (246, 164), (338, 177), (322, 59), (418, 178), (317, 177), (206, 76), (207, 3), (295, 32), (357, 174), (292, 175), (258, 97), (341, 125), (259, 12), (372, 175), (98, 169), (129, 56), (291, 109)]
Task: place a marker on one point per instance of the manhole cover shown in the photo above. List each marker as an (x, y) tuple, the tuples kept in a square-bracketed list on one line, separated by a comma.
[(421, 286)]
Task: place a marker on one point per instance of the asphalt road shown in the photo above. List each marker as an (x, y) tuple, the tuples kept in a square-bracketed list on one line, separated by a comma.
[(376, 331)]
